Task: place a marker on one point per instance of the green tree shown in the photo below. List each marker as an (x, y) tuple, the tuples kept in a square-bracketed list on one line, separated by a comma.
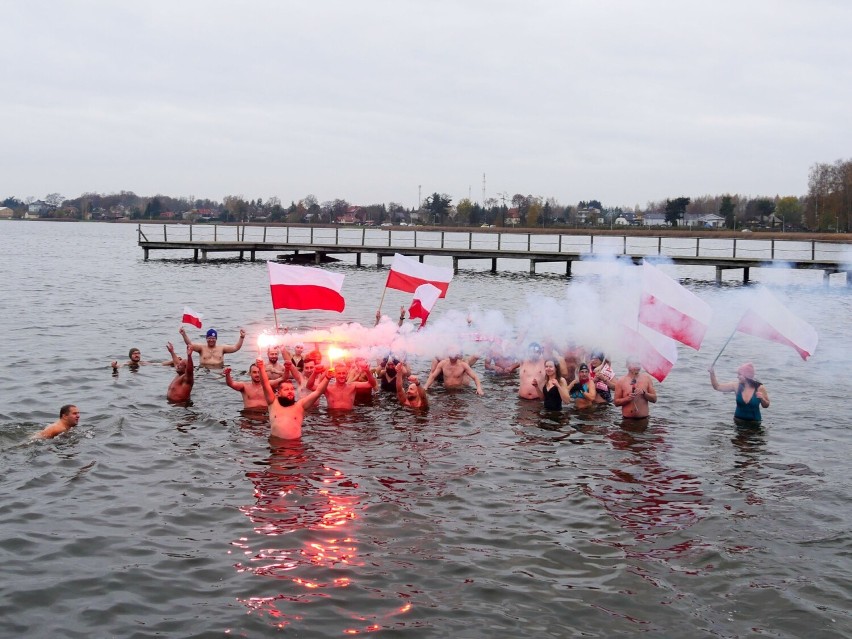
[(726, 210), (438, 205), (675, 210), (789, 209), (464, 209)]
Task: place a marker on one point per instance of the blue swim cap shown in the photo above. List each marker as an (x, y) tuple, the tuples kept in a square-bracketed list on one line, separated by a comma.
[(212, 333)]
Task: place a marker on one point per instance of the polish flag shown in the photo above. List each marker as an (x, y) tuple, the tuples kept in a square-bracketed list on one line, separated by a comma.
[(424, 299), (769, 319), (670, 309), (657, 352), (406, 274), (191, 317), (303, 288)]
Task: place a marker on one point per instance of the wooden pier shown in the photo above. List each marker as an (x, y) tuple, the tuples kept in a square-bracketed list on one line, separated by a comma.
[(317, 243)]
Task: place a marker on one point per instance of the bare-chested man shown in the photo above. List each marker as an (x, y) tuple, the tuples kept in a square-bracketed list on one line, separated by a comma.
[(341, 394), (532, 368), (456, 373), (253, 396), (69, 417), (181, 386), (634, 391), (274, 368), (286, 413), (134, 361), (412, 395), (213, 355)]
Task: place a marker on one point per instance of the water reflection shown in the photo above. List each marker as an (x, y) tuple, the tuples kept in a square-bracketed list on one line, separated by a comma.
[(647, 498), (303, 514)]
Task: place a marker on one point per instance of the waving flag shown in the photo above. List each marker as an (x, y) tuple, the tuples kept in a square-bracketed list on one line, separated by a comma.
[(406, 274), (670, 309), (304, 288), (769, 319), (424, 299), (191, 317), (657, 352)]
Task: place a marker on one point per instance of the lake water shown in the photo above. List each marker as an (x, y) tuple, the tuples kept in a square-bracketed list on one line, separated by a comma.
[(482, 518)]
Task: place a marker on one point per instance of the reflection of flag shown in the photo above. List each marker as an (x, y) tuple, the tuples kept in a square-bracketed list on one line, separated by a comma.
[(657, 353), (670, 309), (191, 317), (424, 299), (304, 288), (769, 319), (406, 274)]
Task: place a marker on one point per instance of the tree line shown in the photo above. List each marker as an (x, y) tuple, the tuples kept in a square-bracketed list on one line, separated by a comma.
[(826, 207)]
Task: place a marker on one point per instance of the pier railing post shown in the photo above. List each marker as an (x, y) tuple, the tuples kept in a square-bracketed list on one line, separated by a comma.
[(660, 245), (697, 246), (442, 239), (190, 232), (215, 232), (624, 250), (529, 241), (312, 235), (592, 244), (813, 250), (772, 249), (336, 235), (363, 237), (469, 240), (165, 235), (389, 238), (560, 242), (735, 248), (264, 237)]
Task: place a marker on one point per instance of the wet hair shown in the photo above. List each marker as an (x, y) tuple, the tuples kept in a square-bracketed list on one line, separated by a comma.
[(65, 410), (133, 350)]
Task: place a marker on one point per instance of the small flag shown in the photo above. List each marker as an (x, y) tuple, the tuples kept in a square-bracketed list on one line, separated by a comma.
[(425, 297), (656, 352), (406, 274), (304, 288), (191, 317)]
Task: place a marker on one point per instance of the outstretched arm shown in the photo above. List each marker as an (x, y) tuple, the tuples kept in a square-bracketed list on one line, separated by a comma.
[(237, 346), (727, 387), (268, 393), (310, 399), (435, 371), (189, 373), (237, 386), (171, 349), (469, 372)]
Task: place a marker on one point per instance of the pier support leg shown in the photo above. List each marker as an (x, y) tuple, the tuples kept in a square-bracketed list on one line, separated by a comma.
[(745, 274), (242, 256), (317, 258), (251, 254), (203, 255), (493, 264), (455, 265), (421, 258), (532, 267), (718, 276), (146, 254), (357, 259), (568, 268), (379, 260), (826, 278)]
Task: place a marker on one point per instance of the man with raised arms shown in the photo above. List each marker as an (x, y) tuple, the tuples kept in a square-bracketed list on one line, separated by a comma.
[(456, 373), (69, 417), (286, 413), (341, 394), (532, 368), (634, 391), (212, 354), (253, 396), (181, 385), (412, 395)]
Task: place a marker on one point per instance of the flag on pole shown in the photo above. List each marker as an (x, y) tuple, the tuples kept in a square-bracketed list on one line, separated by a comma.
[(670, 309), (304, 288), (191, 317), (769, 319), (406, 274), (425, 297), (656, 352)]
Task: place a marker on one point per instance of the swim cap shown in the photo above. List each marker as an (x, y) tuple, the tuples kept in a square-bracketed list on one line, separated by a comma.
[(212, 333), (582, 367), (746, 370), (597, 355)]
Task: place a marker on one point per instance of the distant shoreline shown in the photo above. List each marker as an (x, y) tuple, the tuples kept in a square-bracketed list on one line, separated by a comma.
[(551, 230)]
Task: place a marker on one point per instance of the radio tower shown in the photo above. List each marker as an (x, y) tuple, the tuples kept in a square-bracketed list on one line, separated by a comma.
[(483, 191)]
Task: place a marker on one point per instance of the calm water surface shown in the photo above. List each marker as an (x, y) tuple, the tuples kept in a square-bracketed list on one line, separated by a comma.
[(481, 519)]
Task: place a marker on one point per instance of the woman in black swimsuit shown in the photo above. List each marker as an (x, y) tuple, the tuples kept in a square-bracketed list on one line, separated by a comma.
[(555, 389)]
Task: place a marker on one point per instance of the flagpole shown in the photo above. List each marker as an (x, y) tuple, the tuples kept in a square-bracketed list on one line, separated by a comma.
[(723, 348), (382, 301), (275, 313)]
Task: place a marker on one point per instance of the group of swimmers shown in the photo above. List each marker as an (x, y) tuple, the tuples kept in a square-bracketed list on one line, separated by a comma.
[(288, 384)]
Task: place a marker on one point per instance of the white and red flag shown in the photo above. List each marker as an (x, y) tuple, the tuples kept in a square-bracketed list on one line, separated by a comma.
[(670, 309), (304, 288), (769, 319), (656, 352), (406, 274), (425, 297), (191, 317)]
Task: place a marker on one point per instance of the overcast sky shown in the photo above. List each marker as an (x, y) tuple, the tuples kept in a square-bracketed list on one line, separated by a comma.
[(373, 101)]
